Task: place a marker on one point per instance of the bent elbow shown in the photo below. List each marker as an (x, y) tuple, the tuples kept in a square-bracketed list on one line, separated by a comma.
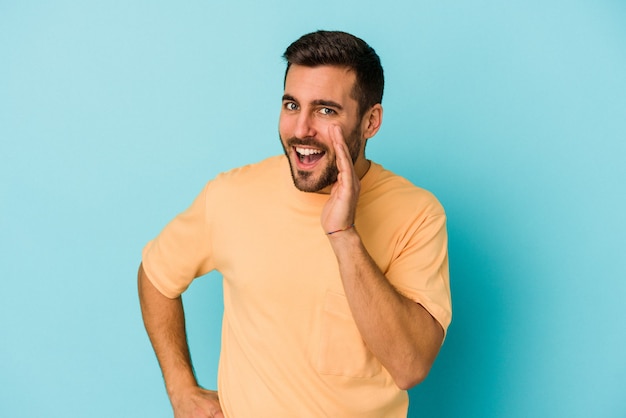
[(411, 377), (409, 383)]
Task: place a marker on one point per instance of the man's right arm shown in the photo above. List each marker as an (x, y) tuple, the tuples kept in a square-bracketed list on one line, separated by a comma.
[(164, 319)]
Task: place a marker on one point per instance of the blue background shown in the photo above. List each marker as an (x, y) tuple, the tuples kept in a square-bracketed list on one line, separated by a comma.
[(114, 114)]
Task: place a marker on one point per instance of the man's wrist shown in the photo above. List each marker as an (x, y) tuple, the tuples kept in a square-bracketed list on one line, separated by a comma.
[(340, 230), (348, 239), (179, 386)]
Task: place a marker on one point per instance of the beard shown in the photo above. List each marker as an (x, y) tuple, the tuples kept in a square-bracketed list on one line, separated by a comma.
[(305, 181)]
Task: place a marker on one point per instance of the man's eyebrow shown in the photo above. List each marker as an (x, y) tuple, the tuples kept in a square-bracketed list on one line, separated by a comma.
[(327, 103), (319, 102)]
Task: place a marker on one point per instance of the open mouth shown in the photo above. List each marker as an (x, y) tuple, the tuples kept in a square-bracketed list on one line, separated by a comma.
[(308, 157)]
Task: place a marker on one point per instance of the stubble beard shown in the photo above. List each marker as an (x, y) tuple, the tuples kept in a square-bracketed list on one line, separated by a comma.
[(303, 180)]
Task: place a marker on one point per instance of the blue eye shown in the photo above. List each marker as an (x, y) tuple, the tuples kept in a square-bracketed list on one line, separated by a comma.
[(291, 106), (327, 111)]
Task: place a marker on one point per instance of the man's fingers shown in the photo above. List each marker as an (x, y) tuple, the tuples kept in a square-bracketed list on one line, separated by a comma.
[(337, 136), (341, 149)]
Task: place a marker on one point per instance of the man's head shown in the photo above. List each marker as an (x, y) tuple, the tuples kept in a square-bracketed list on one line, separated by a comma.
[(332, 79), (341, 49)]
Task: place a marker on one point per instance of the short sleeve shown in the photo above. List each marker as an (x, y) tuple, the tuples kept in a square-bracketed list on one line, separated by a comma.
[(182, 251), (421, 271)]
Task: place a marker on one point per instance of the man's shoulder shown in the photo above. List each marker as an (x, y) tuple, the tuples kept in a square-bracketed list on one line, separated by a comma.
[(265, 170), (248, 183), (387, 187)]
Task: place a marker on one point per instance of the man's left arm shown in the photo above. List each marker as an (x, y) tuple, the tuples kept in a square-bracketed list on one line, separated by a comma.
[(401, 333)]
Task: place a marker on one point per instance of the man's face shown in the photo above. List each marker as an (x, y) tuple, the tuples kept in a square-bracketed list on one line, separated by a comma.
[(316, 98)]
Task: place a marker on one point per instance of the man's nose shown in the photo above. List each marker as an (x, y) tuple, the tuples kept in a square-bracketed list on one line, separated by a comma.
[(304, 126)]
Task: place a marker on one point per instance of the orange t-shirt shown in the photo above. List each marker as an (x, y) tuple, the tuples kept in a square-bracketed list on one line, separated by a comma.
[(289, 344)]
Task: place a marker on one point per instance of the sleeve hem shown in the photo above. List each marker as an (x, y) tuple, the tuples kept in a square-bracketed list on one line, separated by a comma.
[(152, 277)]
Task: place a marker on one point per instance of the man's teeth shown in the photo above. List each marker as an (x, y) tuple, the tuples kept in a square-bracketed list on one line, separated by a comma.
[(308, 151)]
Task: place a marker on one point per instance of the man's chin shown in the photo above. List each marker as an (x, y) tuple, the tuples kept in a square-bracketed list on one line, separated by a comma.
[(306, 181)]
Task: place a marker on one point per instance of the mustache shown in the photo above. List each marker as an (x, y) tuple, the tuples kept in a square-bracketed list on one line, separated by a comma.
[(307, 142)]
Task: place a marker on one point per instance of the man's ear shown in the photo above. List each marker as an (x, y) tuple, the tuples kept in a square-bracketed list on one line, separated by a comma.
[(372, 119)]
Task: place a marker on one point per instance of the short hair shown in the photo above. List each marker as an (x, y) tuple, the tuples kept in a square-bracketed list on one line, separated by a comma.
[(344, 50)]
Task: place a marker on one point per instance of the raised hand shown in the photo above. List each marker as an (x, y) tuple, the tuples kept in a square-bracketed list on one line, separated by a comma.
[(339, 211)]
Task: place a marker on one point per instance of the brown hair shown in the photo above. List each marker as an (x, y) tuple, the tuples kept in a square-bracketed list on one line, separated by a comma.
[(345, 50)]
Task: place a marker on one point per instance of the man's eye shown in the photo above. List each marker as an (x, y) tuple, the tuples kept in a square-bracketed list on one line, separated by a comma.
[(291, 106), (327, 111)]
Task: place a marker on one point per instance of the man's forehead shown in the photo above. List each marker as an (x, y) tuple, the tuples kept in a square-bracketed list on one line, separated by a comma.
[(328, 79)]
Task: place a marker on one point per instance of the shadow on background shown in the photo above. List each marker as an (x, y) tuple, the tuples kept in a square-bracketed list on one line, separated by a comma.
[(468, 374)]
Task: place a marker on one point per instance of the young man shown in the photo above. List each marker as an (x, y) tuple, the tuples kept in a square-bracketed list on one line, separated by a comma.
[(336, 291)]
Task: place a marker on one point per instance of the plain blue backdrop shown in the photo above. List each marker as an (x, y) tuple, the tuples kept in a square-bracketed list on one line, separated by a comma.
[(114, 114)]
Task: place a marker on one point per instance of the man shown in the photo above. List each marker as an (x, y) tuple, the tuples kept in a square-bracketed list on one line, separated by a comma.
[(336, 292)]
